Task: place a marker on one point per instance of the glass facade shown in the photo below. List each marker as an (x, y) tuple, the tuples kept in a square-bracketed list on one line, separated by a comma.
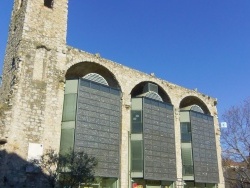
[(199, 155), (204, 148), (186, 149), (153, 154), (69, 117), (91, 123)]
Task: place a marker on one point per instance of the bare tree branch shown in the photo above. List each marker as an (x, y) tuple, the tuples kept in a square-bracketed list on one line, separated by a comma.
[(235, 140)]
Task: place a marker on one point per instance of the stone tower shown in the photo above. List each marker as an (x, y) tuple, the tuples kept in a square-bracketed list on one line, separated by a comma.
[(32, 86)]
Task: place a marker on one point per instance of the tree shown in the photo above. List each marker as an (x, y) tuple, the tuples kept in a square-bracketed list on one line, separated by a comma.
[(76, 168), (68, 170), (235, 140), (48, 166)]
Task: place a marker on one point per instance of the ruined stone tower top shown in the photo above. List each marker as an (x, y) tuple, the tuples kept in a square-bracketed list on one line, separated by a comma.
[(41, 21), (36, 26)]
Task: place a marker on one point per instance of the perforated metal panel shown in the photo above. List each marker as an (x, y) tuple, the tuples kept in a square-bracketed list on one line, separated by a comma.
[(204, 148), (159, 141), (98, 126)]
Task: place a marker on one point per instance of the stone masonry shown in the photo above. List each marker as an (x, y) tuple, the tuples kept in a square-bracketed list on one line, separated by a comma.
[(31, 96)]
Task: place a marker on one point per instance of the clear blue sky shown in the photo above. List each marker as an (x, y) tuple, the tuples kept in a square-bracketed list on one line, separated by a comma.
[(202, 44)]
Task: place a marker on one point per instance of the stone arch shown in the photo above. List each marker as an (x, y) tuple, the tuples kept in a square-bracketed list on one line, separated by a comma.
[(81, 69), (138, 89), (194, 100), (92, 115)]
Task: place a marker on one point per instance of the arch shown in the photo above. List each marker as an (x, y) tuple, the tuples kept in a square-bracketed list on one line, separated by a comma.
[(191, 101), (93, 107), (82, 69), (139, 89)]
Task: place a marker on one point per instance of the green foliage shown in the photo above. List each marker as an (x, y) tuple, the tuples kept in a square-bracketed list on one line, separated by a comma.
[(76, 168), (68, 170)]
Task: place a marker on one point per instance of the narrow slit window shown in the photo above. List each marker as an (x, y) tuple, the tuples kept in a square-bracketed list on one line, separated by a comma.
[(48, 3), (13, 63)]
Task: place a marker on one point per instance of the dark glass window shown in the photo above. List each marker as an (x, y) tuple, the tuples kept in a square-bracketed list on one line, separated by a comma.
[(185, 127), (186, 132), (48, 3), (136, 118), (187, 161), (136, 156)]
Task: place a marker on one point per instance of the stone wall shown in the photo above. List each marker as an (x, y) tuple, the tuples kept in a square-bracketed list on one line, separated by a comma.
[(176, 94)]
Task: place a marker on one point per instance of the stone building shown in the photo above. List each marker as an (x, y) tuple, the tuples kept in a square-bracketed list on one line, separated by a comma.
[(144, 131)]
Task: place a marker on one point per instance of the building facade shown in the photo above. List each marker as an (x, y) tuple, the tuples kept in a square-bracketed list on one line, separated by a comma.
[(144, 131)]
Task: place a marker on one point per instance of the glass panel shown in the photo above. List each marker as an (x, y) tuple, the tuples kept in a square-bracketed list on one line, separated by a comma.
[(69, 107), (189, 184), (136, 156), (185, 127), (108, 183), (153, 184), (186, 154), (200, 185), (210, 185), (167, 184), (136, 118), (67, 140), (186, 138), (187, 161), (188, 170), (186, 132)]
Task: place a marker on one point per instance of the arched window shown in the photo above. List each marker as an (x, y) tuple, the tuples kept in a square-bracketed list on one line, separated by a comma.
[(96, 78), (196, 108), (151, 95)]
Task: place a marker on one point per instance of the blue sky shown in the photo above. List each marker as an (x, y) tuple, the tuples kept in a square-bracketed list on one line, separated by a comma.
[(202, 44)]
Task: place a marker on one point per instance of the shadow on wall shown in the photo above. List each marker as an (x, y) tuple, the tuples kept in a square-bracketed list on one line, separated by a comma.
[(17, 172)]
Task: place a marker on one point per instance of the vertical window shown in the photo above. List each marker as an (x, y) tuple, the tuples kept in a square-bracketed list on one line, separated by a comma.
[(187, 160), (69, 107), (48, 3), (13, 63), (1, 78), (136, 122), (186, 132), (136, 156)]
